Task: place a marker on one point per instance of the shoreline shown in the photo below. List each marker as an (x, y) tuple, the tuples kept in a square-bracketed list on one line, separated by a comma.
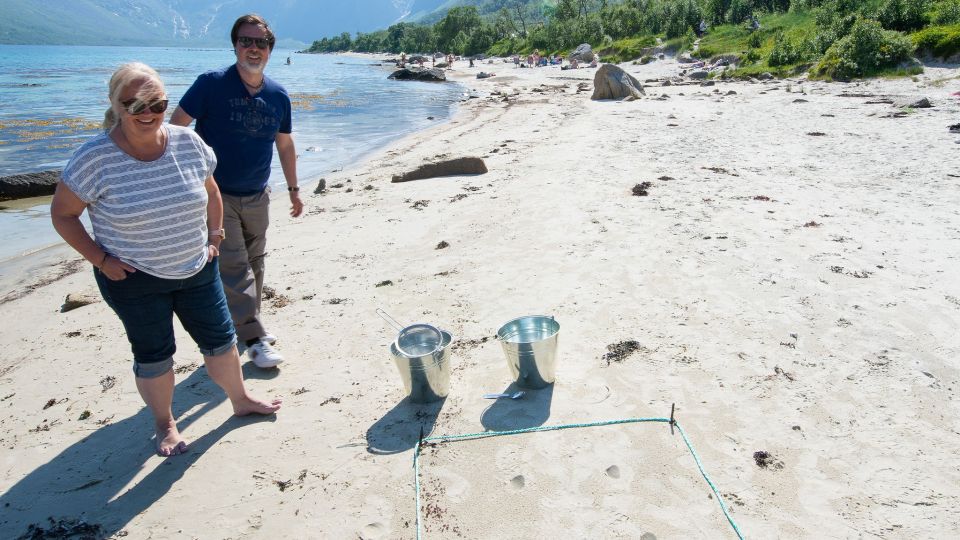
[(17, 269), (788, 281)]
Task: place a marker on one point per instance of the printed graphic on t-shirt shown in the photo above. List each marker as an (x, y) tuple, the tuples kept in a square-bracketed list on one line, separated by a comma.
[(254, 116)]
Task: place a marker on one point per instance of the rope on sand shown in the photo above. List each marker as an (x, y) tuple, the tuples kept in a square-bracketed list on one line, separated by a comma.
[(473, 436)]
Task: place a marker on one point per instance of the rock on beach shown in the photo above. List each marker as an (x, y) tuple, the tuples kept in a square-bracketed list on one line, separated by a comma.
[(20, 186)]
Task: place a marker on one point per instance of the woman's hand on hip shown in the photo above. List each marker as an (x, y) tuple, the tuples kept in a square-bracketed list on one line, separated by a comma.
[(115, 269)]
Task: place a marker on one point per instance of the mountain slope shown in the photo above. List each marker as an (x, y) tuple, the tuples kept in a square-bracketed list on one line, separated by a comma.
[(190, 22)]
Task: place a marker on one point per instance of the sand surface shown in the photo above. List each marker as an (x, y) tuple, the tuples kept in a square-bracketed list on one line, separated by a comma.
[(790, 280)]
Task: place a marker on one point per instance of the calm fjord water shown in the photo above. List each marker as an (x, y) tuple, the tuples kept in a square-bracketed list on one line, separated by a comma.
[(52, 98)]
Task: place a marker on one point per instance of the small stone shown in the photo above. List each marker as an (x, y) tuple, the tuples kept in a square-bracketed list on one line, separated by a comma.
[(75, 300)]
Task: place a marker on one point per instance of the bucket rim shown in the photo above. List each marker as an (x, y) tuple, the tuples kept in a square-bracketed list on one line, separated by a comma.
[(446, 341), (501, 337)]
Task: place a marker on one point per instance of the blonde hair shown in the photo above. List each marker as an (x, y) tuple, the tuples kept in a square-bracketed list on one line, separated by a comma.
[(124, 76)]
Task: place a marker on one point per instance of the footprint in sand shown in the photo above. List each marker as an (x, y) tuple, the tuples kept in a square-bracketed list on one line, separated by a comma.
[(648, 536), (613, 471), (518, 481), (373, 531)]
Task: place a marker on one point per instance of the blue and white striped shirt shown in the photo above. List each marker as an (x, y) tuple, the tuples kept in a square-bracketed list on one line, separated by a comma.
[(151, 215)]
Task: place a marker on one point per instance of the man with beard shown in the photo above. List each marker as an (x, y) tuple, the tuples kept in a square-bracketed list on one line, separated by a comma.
[(241, 113)]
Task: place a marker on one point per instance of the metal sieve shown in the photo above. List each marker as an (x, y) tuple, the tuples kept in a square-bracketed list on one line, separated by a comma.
[(414, 340)]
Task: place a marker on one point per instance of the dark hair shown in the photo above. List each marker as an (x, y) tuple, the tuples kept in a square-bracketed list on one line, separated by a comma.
[(252, 18)]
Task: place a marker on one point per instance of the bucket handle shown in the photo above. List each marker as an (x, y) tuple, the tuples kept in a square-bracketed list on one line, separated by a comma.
[(551, 317), (393, 322)]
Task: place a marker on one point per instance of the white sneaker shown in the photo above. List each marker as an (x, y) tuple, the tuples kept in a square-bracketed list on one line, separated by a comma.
[(269, 338), (263, 355)]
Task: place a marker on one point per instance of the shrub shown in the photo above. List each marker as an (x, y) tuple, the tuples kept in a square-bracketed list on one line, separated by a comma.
[(947, 12), (506, 47), (627, 49), (834, 20), (939, 41), (740, 11), (787, 51), (866, 50), (903, 15), (755, 41)]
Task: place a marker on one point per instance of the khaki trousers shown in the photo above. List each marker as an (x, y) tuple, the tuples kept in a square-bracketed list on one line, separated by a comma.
[(245, 221)]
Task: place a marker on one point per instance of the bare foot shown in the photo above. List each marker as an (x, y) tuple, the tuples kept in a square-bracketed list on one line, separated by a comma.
[(252, 405), (169, 441)]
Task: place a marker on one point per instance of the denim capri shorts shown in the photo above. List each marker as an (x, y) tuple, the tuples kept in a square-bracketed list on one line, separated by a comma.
[(146, 305)]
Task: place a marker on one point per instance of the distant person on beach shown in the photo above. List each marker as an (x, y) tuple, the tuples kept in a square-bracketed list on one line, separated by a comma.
[(156, 212), (243, 114), (288, 61), (701, 28)]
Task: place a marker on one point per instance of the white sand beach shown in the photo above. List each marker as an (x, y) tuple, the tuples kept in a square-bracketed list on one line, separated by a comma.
[(790, 280)]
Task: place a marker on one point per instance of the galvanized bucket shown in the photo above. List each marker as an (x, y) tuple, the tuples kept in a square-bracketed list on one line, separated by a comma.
[(530, 345), (426, 378)]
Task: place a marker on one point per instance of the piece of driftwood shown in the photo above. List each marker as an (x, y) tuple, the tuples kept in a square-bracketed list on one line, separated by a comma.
[(450, 167)]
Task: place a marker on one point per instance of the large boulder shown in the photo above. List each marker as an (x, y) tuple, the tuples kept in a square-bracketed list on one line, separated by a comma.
[(611, 82), (418, 74), (20, 186), (450, 167), (583, 53)]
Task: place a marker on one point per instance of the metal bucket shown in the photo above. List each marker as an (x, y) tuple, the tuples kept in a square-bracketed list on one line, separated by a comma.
[(530, 344), (426, 378)]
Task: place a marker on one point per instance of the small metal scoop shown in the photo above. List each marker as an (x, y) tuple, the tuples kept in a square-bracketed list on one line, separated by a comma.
[(516, 395)]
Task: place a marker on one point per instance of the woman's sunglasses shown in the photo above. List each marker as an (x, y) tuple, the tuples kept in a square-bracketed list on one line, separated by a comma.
[(262, 43), (135, 106)]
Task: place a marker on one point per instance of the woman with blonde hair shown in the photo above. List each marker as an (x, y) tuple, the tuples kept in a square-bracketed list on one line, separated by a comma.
[(157, 223)]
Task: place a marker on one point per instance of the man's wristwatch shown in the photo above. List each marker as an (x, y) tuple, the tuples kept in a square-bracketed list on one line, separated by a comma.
[(293, 188), (222, 233)]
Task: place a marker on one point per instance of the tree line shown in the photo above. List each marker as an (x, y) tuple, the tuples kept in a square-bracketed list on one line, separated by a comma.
[(504, 27)]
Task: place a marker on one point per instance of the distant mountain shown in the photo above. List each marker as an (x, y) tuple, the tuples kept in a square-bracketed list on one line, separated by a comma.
[(484, 7), (192, 22)]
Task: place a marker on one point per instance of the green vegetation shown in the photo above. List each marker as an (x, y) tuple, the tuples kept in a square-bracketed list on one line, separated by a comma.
[(626, 49), (938, 41), (867, 50), (833, 39)]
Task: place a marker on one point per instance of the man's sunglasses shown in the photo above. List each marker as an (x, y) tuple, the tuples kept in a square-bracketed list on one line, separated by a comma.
[(262, 43), (135, 106)]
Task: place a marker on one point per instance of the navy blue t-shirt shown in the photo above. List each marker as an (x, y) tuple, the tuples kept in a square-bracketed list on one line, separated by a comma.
[(241, 129)]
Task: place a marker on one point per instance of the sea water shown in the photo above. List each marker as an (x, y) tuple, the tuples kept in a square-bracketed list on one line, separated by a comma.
[(52, 99)]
